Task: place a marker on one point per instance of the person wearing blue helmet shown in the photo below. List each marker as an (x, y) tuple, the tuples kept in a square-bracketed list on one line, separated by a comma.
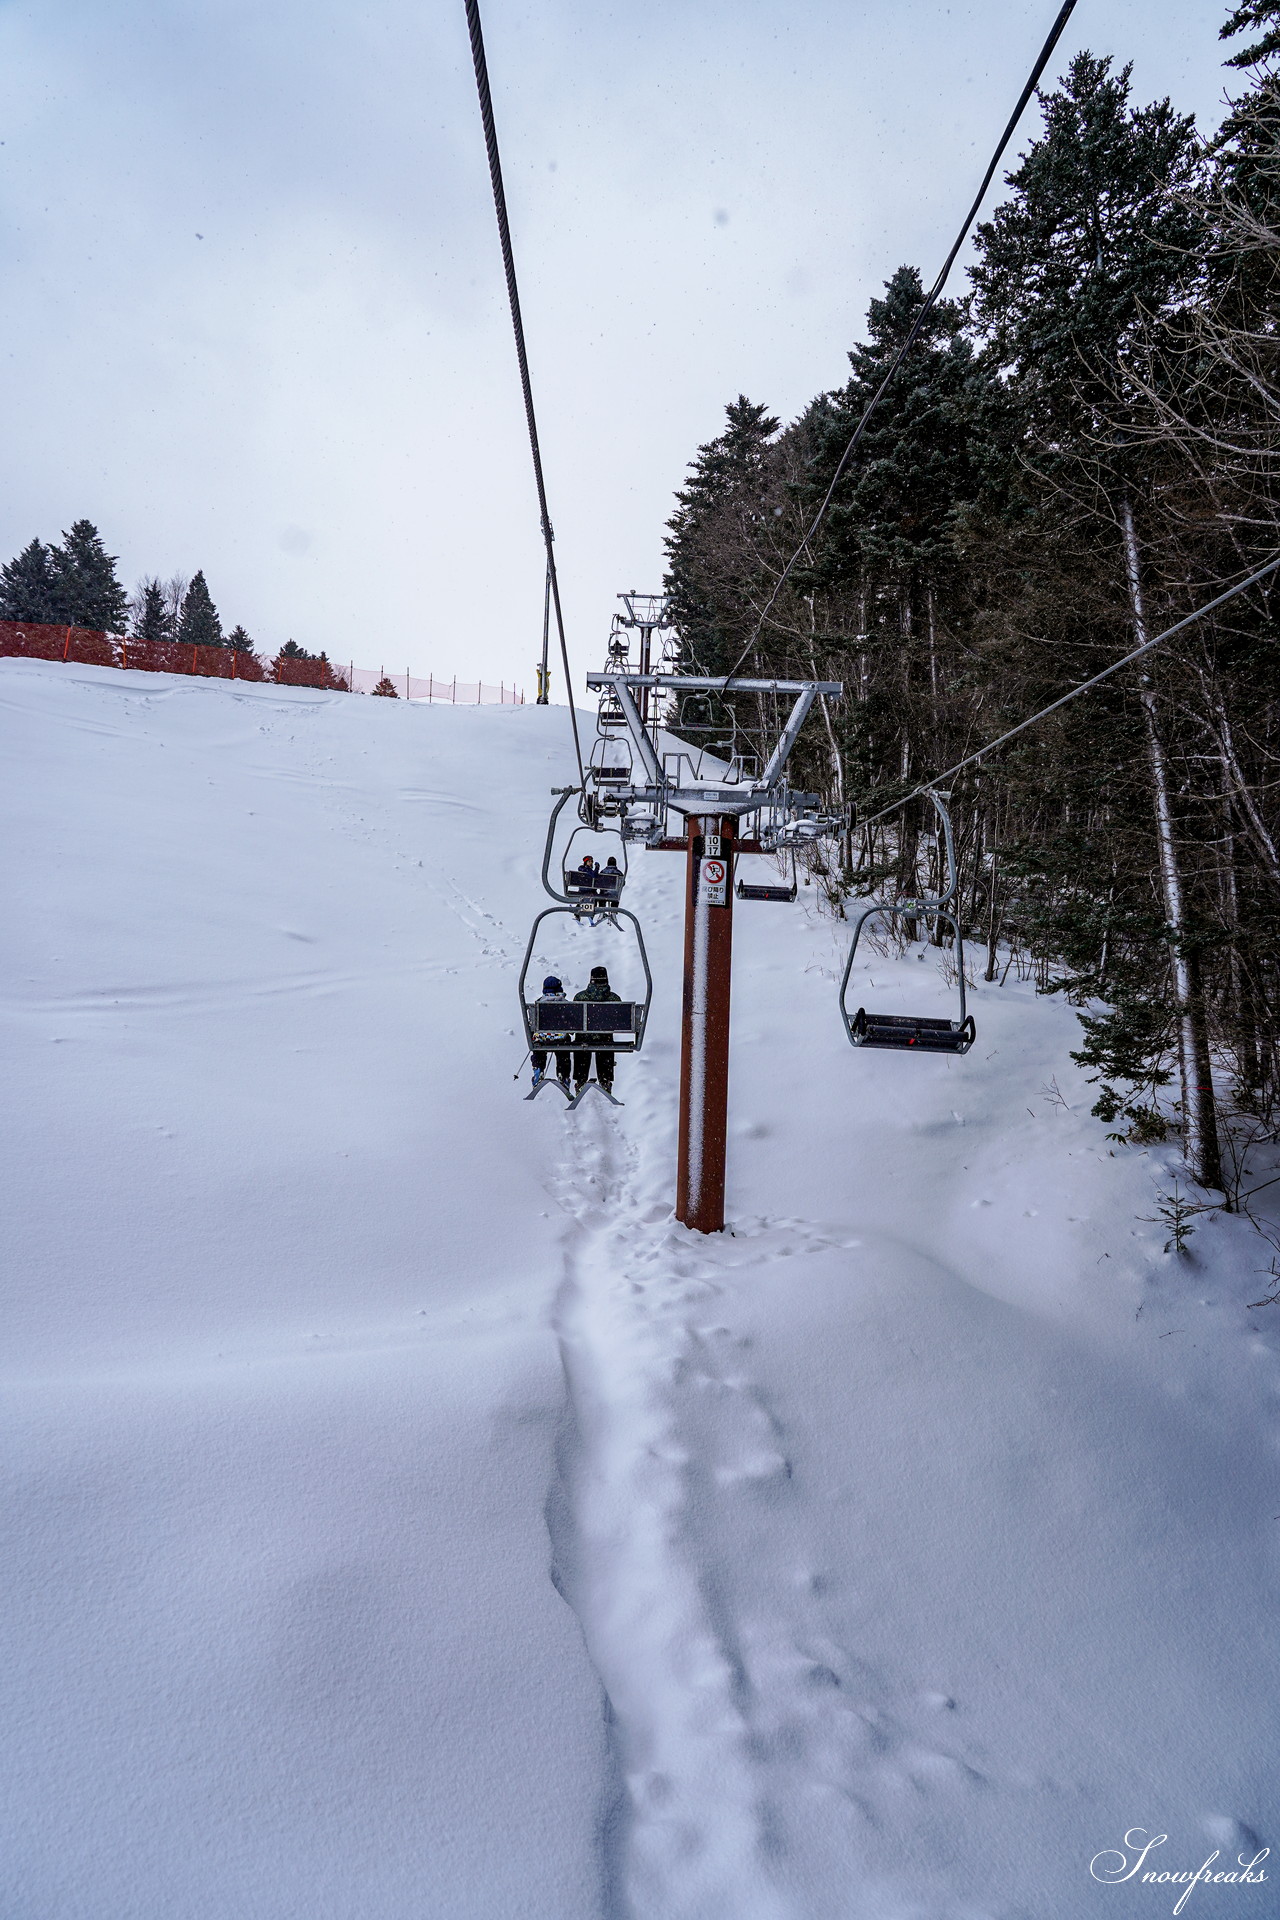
[(551, 990)]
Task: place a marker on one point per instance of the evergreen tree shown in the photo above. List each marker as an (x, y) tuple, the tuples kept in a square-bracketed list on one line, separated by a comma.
[(919, 459), (152, 619), (386, 689), (1093, 241), (1264, 14), (198, 623), (712, 538), (1087, 453), (239, 641), (27, 587), (292, 651), (86, 592)]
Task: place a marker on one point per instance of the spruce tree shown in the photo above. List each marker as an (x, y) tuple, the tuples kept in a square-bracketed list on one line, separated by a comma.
[(27, 587), (385, 689), (239, 641), (86, 592), (710, 538), (198, 623), (1255, 14), (918, 460), (1091, 244), (152, 619)]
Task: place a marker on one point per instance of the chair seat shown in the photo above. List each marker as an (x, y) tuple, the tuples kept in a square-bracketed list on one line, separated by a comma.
[(747, 891), (902, 1031)]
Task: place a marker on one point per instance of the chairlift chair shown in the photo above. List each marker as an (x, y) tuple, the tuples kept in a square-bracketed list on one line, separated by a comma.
[(563, 1026), (610, 718), (903, 1032), (769, 890), (591, 893), (610, 762)]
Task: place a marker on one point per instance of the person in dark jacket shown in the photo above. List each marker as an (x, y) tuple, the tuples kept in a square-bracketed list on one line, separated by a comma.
[(551, 990), (599, 989)]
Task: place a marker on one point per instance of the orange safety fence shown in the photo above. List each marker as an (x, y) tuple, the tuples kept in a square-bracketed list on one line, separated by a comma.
[(31, 640)]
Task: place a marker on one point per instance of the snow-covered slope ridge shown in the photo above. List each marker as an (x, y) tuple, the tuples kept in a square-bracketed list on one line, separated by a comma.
[(406, 1518)]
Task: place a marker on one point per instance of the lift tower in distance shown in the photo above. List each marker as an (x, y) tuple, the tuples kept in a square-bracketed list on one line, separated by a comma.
[(728, 811), (647, 613)]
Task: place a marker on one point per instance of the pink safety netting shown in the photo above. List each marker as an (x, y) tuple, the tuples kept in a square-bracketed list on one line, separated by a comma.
[(35, 641)]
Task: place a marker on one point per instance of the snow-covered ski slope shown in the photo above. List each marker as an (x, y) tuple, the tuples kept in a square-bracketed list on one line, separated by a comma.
[(407, 1521)]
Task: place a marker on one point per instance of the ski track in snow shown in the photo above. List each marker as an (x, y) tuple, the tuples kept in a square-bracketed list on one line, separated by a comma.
[(666, 1425), (718, 1721)]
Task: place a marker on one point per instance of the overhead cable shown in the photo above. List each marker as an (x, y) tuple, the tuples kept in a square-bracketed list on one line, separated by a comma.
[(513, 296), (930, 301), (971, 759)]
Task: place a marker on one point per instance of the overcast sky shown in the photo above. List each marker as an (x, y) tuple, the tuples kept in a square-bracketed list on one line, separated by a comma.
[(252, 305)]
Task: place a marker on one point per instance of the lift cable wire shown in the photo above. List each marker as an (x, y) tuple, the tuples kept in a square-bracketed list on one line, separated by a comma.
[(1046, 54), (1127, 661), (513, 296)]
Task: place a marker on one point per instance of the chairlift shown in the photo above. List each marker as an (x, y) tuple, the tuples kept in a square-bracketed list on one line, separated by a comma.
[(610, 718), (900, 1031), (610, 763), (566, 1026), (781, 890), (591, 892)]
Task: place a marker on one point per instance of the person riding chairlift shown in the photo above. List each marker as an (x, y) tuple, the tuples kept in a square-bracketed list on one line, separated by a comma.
[(551, 990), (599, 989)]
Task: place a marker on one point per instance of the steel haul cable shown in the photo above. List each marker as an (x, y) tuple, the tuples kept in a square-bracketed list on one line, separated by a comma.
[(1126, 660), (930, 301), (513, 296)]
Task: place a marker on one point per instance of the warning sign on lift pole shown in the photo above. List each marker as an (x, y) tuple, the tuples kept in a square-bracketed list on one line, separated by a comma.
[(715, 873)]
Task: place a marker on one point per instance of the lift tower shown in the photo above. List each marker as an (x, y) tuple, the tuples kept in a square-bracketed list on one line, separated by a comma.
[(647, 613), (724, 811)]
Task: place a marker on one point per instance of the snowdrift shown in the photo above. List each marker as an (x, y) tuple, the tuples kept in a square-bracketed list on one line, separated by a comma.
[(406, 1518)]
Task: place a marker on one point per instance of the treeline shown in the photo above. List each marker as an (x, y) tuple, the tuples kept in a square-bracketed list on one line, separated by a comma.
[(74, 583), (1082, 451)]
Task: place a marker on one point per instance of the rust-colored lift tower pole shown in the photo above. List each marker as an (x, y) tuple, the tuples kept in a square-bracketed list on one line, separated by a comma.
[(704, 1040), (715, 808)]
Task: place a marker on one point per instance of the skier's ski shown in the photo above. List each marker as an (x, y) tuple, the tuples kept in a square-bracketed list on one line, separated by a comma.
[(583, 1091), (547, 1081)]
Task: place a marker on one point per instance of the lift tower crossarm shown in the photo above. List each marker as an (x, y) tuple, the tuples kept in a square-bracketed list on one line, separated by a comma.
[(710, 795), (689, 684)]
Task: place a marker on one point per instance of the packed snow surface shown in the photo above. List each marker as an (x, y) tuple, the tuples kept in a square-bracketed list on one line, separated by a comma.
[(405, 1518)]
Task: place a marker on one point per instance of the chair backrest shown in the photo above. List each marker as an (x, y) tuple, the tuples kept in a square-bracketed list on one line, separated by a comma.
[(592, 883), (549, 1018)]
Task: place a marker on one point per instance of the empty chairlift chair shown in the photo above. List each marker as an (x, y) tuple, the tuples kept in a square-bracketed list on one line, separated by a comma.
[(780, 889), (906, 1032)]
